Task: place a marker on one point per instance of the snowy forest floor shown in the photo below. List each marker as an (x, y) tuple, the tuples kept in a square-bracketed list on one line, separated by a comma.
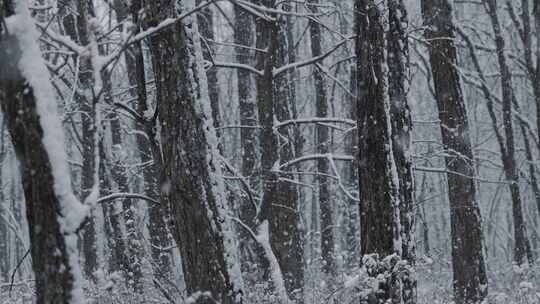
[(507, 285)]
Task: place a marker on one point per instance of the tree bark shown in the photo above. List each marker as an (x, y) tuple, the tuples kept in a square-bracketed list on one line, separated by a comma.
[(149, 149), (401, 121), (322, 143), (76, 27), (186, 181), (384, 165), (49, 252), (243, 35), (280, 198), (522, 247), (470, 281), (206, 28)]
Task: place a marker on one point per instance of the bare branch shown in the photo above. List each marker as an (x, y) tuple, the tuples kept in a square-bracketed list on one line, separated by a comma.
[(299, 64)]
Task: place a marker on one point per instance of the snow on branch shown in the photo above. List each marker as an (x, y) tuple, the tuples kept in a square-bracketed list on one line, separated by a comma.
[(61, 39), (72, 213), (314, 120), (233, 65), (112, 197), (316, 157)]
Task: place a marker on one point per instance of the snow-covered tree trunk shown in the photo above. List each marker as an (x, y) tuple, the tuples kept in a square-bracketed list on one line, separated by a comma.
[(470, 281), (29, 106), (285, 230), (400, 117), (75, 16), (149, 149), (188, 176), (206, 28), (385, 176)]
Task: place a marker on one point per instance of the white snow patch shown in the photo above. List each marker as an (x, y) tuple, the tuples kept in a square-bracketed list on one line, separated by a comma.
[(33, 69)]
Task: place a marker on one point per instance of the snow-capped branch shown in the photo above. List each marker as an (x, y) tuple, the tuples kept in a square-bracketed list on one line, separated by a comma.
[(112, 197), (233, 65), (314, 120), (316, 157), (61, 39)]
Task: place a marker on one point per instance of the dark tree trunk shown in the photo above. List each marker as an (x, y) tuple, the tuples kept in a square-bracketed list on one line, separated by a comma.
[(352, 178), (243, 35), (50, 257), (522, 247), (186, 177), (470, 281), (280, 198), (118, 260), (4, 227), (133, 250), (149, 150), (385, 175), (400, 117), (285, 233), (322, 142), (76, 27)]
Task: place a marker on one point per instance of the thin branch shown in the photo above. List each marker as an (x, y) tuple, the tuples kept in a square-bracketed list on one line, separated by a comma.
[(299, 64), (112, 197)]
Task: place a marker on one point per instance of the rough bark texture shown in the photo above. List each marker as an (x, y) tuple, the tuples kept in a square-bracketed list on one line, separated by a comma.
[(243, 35), (384, 168), (280, 198), (470, 282), (134, 58), (50, 261), (285, 232), (150, 153), (375, 192), (522, 247), (400, 117), (186, 184)]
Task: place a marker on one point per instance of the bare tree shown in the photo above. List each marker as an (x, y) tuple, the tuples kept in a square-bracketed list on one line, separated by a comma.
[(323, 137), (522, 249), (470, 281), (45, 210), (384, 168), (279, 201), (187, 174), (75, 16)]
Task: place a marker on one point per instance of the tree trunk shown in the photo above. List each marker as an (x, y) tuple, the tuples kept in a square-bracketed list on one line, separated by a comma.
[(385, 177), (50, 257), (76, 27), (206, 28), (187, 183), (150, 152), (522, 247), (243, 35), (470, 281), (285, 233), (322, 142), (280, 198), (401, 121)]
